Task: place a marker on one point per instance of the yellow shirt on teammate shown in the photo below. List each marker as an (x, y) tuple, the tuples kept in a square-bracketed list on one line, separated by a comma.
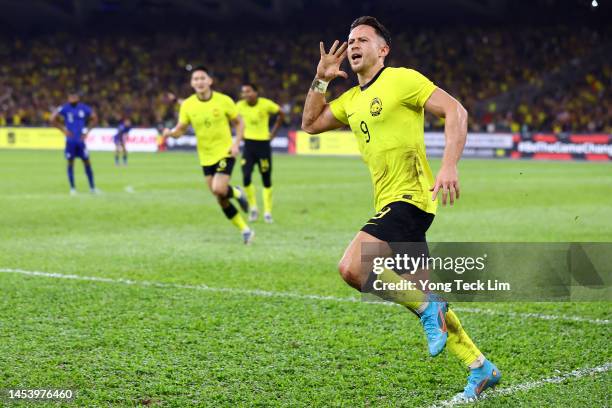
[(210, 122), (257, 117), (387, 118)]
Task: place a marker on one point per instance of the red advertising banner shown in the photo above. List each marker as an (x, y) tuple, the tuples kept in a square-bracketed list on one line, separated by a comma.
[(545, 146)]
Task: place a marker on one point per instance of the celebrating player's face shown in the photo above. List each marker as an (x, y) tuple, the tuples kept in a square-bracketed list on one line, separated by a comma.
[(365, 48), (200, 81)]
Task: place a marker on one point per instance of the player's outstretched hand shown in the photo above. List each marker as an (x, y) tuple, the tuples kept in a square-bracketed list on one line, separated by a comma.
[(166, 133), (329, 64), (447, 182)]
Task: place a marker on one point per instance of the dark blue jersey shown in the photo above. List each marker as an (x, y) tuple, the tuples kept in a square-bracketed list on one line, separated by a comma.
[(75, 118), (123, 129)]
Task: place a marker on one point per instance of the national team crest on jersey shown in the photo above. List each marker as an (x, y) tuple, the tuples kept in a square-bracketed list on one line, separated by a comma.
[(375, 107)]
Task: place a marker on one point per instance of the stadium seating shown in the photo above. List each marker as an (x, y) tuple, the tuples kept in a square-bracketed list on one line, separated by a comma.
[(508, 79)]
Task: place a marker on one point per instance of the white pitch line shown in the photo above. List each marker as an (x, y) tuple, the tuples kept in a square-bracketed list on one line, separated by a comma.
[(265, 293), (579, 373)]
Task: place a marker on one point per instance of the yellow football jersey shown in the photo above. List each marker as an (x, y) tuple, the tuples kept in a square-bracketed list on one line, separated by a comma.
[(210, 122), (257, 117), (387, 118)]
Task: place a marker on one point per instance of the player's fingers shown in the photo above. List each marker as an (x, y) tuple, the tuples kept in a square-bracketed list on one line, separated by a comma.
[(342, 56), (342, 49), (451, 195), (343, 74), (332, 50), (435, 189), (444, 193), (457, 189), (334, 47), (321, 48)]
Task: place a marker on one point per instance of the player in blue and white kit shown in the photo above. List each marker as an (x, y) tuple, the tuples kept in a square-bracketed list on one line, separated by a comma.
[(77, 117), (125, 125)]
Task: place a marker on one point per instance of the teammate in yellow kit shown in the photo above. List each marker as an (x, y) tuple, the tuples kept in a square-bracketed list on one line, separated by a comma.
[(212, 114), (256, 111), (386, 114)]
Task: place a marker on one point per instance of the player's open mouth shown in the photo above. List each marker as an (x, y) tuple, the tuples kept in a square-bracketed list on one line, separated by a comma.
[(355, 57)]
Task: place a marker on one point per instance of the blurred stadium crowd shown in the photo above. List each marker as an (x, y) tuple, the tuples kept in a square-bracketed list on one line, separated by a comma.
[(547, 79)]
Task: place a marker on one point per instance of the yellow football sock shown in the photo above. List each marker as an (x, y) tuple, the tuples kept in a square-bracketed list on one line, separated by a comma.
[(239, 222), (412, 299), (459, 343), (236, 192), (251, 196), (267, 200)]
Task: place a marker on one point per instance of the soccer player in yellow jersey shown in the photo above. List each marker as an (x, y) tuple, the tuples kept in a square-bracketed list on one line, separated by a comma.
[(386, 114), (212, 114), (256, 112)]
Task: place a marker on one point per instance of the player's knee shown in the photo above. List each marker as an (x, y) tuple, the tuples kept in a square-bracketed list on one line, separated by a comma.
[(349, 273), (220, 191)]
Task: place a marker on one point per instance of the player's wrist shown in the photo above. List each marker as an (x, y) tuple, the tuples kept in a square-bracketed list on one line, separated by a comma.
[(448, 166), (319, 85)]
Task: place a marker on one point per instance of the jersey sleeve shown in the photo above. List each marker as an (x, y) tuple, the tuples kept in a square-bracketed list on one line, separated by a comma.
[(61, 110), (183, 115), (338, 109), (272, 107), (415, 88), (231, 110)]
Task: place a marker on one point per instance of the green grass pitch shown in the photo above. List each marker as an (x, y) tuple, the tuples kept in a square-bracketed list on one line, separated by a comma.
[(121, 344)]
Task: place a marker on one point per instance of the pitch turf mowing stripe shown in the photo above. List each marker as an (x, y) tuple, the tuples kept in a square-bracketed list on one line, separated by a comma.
[(579, 373), (257, 292)]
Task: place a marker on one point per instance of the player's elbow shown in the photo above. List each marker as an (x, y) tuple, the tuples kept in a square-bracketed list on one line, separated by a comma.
[(455, 113), (308, 130), (454, 109), (308, 127)]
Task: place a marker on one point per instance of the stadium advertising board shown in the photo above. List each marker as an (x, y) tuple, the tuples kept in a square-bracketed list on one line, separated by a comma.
[(137, 140), (188, 142), (342, 143), (570, 147), (477, 144), (335, 143), (31, 138), (99, 139)]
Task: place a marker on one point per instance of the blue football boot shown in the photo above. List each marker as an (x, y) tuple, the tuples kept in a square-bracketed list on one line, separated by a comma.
[(434, 323), (479, 380)]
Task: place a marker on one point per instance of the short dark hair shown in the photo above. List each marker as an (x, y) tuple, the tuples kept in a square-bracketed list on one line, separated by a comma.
[(252, 85), (380, 29), (199, 68)]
